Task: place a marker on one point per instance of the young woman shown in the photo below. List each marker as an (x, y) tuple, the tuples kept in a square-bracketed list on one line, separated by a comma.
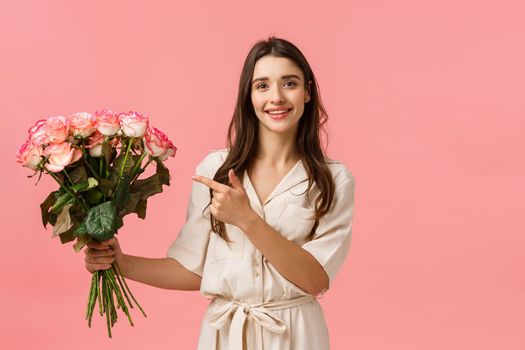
[(265, 245)]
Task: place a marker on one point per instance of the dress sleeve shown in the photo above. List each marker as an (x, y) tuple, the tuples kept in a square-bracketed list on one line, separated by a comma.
[(191, 245), (331, 241)]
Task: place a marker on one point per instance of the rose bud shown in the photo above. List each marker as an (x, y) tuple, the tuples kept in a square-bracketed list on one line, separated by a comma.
[(57, 129), (29, 155), (37, 133), (107, 122), (60, 156), (157, 144), (82, 124), (133, 124)]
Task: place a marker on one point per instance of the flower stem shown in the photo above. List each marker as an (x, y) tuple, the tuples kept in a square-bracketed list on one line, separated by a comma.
[(129, 291), (106, 304), (137, 165), (100, 307), (130, 141), (60, 182), (84, 158), (122, 287), (67, 175)]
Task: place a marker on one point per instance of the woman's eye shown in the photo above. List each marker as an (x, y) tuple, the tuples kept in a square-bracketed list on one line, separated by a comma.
[(291, 82), (258, 86)]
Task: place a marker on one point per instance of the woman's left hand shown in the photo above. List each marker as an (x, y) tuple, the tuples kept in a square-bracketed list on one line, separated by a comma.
[(229, 204)]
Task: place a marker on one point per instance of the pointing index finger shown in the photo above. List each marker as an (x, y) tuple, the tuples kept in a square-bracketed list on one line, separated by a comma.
[(214, 185)]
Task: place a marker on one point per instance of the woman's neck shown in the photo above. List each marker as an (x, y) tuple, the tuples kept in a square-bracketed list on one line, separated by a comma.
[(276, 150)]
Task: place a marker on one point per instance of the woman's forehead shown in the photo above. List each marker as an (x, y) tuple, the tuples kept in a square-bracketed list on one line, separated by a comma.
[(271, 67)]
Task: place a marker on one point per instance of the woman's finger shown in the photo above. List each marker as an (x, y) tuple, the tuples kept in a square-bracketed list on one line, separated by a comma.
[(96, 267), (96, 245), (99, 253), (99, 260)]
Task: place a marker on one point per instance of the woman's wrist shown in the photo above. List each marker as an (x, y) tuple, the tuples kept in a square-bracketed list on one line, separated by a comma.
[(120, 260), (249, 221)]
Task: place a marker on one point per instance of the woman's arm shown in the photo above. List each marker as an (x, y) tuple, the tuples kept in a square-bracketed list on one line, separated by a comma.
[(166, 273), (293, 262)]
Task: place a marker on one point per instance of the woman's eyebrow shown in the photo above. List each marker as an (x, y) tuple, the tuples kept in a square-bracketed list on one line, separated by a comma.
[(283, 77)]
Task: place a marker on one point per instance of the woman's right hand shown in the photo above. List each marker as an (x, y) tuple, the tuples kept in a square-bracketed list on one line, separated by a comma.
[(99, 256)]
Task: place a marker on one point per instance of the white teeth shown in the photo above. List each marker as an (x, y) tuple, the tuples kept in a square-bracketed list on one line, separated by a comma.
[(278, 112)]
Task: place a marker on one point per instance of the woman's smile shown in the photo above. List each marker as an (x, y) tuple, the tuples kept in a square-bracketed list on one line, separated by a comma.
[(279, 114)]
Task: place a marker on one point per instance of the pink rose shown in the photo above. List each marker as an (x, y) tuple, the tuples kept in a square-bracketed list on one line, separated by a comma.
[(81, 124), (57, 129), (107, 122), (37, 133), (133, 124), (60, 156), (29, 155), (95, 144), (157, 144)]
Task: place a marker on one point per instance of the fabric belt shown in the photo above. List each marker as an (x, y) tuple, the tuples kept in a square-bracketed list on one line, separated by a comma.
[(221, 309)]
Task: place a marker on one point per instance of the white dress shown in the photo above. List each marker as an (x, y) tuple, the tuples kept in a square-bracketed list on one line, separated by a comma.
[(243, 287)]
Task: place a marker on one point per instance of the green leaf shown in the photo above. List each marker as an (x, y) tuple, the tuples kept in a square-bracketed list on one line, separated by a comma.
[(122, 194), (100, 221), (118, 223), (94, 164), (64, 199), (82, 240), (85, 185), (67, 236), (63, 222), (105, 185), (79, 174), (44, 207), (163, 173), (80, 229), (147, 187), (107, 153), (130, 205), (77, 213), (52, 219), (119, 161), (141, 208), (93, 196)]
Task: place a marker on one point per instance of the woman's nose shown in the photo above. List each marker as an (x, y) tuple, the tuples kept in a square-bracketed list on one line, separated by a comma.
[(276, 96)]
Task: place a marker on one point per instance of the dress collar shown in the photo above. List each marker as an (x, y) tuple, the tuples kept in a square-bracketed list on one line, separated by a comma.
[(295, 176)]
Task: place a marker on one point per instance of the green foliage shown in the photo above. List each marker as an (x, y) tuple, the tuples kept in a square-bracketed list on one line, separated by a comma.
[(64, 222), (46, 205), (79, 174), (122, 194), (63, 200), (100, 221)]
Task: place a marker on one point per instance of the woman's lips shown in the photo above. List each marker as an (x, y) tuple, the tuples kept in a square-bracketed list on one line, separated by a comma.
[(279, 116)]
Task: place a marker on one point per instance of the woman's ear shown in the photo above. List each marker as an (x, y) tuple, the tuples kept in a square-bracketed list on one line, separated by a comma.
[(307, 92)]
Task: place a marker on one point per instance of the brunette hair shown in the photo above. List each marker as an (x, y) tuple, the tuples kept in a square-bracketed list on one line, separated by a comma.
[(243, 130)]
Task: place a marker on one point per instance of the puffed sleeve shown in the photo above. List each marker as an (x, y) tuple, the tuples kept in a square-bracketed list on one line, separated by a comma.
[(191, 245), (331, 241)]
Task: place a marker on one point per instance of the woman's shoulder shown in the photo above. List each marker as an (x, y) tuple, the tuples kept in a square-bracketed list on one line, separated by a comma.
[(340, 172), (212, 161)]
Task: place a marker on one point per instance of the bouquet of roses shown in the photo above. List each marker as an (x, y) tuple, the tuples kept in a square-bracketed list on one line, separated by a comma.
[(96, 160)]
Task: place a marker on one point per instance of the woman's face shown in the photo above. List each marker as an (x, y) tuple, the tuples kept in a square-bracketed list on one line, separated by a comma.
[(278, 85)]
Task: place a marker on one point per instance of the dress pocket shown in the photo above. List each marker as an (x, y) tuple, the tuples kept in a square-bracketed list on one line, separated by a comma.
[(219, 249), (296, 222)]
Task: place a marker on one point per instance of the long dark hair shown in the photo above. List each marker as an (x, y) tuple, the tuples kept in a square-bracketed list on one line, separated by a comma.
[(243, 130)]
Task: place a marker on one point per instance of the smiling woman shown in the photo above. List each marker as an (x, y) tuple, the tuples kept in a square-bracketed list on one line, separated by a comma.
[(281, 96), (269, 219)]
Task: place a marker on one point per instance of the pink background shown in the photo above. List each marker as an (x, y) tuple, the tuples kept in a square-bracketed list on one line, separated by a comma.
[(426, 107)]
